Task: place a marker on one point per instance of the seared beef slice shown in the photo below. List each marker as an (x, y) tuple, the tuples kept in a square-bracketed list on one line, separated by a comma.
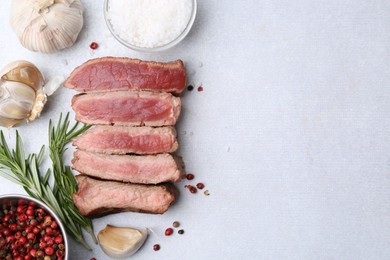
[(96, 198), (127, 108), (112, 73), (148, 169), (123, 140)]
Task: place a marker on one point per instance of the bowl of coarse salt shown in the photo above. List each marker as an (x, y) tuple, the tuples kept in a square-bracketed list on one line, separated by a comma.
[(149, 25)]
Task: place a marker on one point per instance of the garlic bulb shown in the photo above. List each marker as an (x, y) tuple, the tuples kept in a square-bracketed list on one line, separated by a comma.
[(21, 93), (121, 241), (46, 25)]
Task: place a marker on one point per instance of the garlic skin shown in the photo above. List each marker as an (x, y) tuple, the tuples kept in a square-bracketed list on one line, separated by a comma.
[(22, 94), (121, 241), (46, 25)]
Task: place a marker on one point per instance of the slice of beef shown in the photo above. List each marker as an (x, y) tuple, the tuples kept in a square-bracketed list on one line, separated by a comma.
[(113, 73), (96, 198), (125, 139), (148, 169), (131, 108)]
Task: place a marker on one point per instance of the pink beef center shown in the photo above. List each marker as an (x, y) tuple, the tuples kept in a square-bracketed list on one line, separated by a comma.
[(139, 143), (132, 109)]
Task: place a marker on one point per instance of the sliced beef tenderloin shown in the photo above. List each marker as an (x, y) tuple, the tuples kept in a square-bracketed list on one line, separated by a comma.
[(113, 73), (125, 140), (129, 108), (148, 169), (96, 198)]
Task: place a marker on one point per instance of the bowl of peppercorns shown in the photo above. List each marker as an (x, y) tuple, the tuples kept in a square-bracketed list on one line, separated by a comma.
[(30, 230)]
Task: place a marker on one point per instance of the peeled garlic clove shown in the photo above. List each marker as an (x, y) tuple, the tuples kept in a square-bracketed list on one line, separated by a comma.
[(53, 84), (21, 93), (121, 241), (46, 25)]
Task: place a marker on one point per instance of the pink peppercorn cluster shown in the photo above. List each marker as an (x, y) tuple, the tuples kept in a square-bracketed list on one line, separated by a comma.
[(194, 189), (29, 232)]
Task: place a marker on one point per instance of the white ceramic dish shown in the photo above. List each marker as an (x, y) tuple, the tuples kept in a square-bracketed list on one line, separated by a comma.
[(15, 198), (167, 46)]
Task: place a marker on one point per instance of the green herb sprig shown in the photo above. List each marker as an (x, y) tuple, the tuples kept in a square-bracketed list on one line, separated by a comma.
[(15, 166)]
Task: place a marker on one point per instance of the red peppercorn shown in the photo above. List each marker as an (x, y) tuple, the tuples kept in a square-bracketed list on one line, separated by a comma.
[(49, 230), (50, 242), (200, 185), (20, 209), (40, 253), (33, 252), (200, 89), (36, 230), (18, 234), (168, 231), (192, 189), (30, 236), (30, 212), (54, 225), (190, 176), (93, 258), (49, 250), (23, 217), (6, 218), (40, 210), (13, 227), (9, 239), (42, 245), (156, 247), (16, 244), (59, 240), (28, 229), (28, 257), (94, 45), (23, 240), (34, 223)]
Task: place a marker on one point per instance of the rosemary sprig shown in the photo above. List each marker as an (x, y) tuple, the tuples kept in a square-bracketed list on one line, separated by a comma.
[(26, 171), (64, 182)]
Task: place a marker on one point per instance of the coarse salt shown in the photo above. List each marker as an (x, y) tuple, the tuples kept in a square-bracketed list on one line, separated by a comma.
[(149, 23)]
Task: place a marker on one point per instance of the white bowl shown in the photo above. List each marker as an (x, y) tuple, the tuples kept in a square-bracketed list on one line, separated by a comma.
[(178, 39), (15, 198)]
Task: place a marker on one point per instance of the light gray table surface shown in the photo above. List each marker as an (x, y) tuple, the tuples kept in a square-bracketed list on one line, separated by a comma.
[(291, 134)]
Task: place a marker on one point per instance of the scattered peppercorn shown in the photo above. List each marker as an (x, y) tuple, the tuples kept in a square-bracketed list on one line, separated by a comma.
[(192, 189), (176, 224), (180, 232), (200, 185), (93, 45), (200, 89), (190, 176), (206, 192), (168, 231), (156, 247), (93, 258), (190, 88)]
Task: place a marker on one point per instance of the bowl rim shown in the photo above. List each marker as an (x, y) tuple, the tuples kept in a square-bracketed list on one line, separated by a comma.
[(164, 47), (47, 208)]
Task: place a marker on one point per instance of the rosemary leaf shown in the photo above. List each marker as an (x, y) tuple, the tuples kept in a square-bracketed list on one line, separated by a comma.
[(24, 169)]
